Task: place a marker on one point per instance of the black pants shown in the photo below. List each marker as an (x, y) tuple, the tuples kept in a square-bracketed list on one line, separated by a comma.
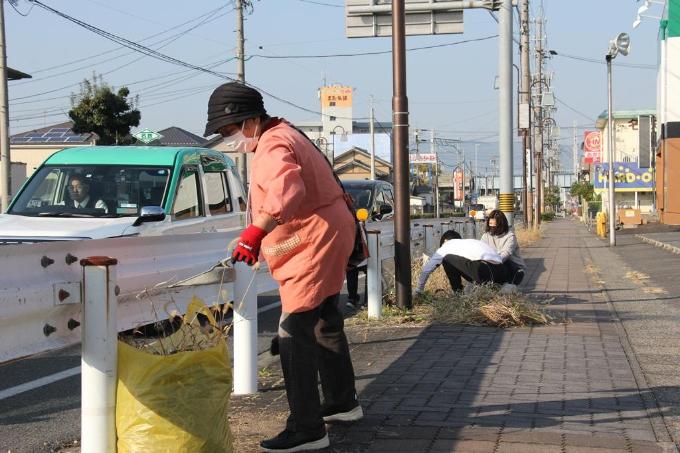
[(352, 275), (475, 271), (313, 344)]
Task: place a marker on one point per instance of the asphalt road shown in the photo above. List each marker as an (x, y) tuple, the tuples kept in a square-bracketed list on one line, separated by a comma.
[(48, 415)]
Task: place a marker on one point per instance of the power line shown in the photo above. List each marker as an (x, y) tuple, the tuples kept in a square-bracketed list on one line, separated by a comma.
[(574, 110), (158, 55), (380, 52), (603, 62), (207, 18), (73, 85), (163, 57), (90, 57), (322, 3)]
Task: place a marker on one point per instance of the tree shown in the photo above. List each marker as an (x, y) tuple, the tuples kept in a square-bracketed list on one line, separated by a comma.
[(552, 197), (98, 109), (583, 190)]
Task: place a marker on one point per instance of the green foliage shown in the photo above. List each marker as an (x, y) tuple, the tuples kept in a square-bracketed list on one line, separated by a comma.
[(547, 216), (552, 197), (582, 189), (98, 109)]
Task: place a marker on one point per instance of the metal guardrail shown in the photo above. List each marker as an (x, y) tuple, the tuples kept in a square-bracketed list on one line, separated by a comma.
[(425, 237), (41, 290), (40, 285)]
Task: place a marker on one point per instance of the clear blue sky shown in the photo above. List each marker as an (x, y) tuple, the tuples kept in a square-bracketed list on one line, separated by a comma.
[(449, 88)]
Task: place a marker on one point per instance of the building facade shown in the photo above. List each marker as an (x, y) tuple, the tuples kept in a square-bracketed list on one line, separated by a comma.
[(633, 160), (668, 112)]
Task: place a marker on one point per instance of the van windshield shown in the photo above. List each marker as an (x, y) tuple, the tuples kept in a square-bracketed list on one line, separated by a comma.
[(92, 191), (361, 196)]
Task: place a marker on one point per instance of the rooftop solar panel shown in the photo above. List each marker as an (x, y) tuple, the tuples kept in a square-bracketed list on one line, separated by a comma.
[(20, 139)]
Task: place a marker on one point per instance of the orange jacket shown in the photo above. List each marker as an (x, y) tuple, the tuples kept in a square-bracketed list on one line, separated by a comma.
[(307, 252)]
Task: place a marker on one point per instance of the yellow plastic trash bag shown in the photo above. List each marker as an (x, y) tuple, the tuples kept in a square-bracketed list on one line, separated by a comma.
[(176, 402)]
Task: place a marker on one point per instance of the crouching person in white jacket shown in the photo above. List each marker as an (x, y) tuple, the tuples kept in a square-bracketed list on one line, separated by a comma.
[(473, 260)]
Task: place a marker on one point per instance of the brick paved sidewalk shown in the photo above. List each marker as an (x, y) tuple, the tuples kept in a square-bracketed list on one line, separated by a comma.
[(562, 388)]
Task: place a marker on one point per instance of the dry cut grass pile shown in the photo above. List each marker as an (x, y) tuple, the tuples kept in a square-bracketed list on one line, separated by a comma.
[(484, 305), (201, 328), (527, 236)]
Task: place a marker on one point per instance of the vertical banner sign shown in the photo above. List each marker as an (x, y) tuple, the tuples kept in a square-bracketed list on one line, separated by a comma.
[(458, 184), (592, 147)]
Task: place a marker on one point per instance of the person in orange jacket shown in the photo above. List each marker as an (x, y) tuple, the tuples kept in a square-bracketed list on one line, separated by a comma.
[(302, 226)]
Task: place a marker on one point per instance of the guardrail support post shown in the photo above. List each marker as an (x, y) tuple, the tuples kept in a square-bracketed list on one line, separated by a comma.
[(428, 232), (374, 275), (99, 359), (245, 330)]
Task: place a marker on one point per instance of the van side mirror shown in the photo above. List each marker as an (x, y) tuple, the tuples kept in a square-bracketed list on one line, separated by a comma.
[(385, 209), (150, 214)]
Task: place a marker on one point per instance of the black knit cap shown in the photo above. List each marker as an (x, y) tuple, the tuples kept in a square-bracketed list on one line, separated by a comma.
[(232, 103)]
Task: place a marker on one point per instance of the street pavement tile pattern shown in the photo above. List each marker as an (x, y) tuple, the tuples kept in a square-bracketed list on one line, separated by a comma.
[(568, 387)]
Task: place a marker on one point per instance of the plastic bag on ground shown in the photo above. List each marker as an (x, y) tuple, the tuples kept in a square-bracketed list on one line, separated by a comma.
[(176, 402)]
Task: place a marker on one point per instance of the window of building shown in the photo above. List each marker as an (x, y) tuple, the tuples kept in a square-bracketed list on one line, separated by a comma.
[(332, 103), (332, 118)]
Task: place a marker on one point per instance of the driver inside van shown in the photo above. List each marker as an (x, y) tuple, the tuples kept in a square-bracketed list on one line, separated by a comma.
[(79, 195)]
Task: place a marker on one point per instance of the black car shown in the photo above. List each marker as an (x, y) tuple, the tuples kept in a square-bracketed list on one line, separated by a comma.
[(375, 196)]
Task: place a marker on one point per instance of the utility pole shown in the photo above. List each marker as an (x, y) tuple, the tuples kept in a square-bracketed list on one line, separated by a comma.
[(538, 113), (506, 195), (575, 151), (241, 75), (372, 131), (524, 111), (476, 168), (433, 150), (402, 227), (5, 159)]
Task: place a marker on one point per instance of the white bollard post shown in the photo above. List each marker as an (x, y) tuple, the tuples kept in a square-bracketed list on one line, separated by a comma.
[(99, 358), (245, 330), (374, 275)]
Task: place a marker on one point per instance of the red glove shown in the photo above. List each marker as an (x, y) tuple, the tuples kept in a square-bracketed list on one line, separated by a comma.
[(248, 247)]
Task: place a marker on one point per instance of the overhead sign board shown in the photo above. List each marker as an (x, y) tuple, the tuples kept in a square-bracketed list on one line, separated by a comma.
[(628, 177), (147, 136), (422, 158), (373, 18)]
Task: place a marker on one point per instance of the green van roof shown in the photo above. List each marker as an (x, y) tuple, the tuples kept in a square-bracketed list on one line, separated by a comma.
[(129, 155)]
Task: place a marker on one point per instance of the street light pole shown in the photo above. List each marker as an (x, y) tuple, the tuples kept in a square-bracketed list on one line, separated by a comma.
[(610, 154), (619, 45), (402, 227)]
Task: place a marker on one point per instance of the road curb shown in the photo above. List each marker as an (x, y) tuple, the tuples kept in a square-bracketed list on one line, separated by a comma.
[(663, 245), (650, 402)]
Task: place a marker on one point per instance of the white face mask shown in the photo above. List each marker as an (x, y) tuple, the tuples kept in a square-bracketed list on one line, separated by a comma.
[(239, 143)]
